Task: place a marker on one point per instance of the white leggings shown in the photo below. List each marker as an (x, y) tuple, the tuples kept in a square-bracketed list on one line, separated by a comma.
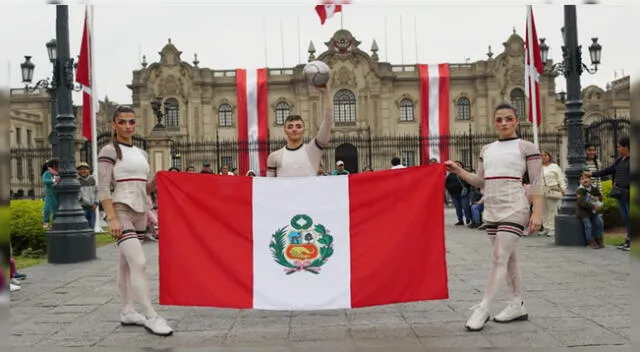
[(504, 237), (132, 276)]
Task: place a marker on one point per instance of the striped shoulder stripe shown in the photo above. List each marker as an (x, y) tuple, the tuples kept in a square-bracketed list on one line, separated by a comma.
[(533, 156), (106, 159), (318, 144)]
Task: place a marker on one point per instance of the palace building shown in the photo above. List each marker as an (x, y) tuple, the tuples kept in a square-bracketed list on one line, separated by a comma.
[(371, 97)]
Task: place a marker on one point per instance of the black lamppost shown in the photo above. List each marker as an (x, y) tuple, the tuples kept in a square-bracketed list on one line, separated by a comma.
[(71, 240), (568, 228), (27, 68)]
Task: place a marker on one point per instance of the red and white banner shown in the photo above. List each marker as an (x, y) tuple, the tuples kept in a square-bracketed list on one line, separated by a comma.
[(533, 69), (83, 76), (329, 8), (253, 120), (302, 244), (434, 112)]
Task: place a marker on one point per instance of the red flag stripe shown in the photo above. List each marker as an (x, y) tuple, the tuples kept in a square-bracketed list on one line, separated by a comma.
[(83, 76), (402, 262), (434, 84), (221, 247), (533, 69), (263, 120), (241, 96)]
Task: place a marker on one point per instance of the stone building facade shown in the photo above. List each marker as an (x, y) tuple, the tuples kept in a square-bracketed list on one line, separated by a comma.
[(371, 98)]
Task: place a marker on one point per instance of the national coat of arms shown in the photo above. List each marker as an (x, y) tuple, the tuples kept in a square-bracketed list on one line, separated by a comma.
[(301, 245)]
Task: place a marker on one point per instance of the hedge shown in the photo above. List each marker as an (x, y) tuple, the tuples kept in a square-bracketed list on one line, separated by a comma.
[(27, 233), (610, 213)]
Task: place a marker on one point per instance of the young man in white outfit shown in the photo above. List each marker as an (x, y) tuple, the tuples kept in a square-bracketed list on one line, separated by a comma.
[(297, 159)]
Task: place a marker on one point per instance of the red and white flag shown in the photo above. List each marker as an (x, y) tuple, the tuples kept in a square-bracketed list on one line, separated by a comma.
[(253, 120), (329, 8), (83, 76), (302, 243), (434, 112), (533, 70)]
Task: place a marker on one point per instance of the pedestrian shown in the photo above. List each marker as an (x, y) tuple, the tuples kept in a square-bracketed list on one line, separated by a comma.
[(296, 158), (621, 172), (88, 193), (50, 179), (501, 167), (127, 166)]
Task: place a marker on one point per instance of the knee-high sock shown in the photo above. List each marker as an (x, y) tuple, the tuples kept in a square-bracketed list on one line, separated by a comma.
[(132, 251), (124, 283), (504, 245)]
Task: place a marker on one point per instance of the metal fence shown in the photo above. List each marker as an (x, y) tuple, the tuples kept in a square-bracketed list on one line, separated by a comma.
[(357, 152)]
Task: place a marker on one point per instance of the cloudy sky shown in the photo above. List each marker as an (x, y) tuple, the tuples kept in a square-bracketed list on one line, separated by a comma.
[(232, 34)]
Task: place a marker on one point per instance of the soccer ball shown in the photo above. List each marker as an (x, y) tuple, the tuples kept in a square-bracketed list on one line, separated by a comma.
[(317, 73)]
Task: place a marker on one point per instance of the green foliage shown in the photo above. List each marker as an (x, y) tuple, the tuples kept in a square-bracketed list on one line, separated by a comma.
[(26, 227), (610, 213)]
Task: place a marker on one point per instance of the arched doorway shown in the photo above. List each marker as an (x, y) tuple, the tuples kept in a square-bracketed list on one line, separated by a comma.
[(348, 153)]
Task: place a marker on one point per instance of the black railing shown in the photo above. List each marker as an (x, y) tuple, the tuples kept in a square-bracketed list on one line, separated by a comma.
[(357, 152)]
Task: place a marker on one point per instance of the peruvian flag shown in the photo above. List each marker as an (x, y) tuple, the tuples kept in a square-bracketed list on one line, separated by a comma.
[(328, 8), (83, 76), (253, 120), (533, 69), (434, 112), (307, 243)]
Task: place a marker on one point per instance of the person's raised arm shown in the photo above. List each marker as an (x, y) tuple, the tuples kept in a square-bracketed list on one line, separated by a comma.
[(324, 132)]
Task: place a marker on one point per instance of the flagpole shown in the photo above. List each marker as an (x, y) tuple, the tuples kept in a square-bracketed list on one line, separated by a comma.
[(282, 42), (299, 45), (415, 36), (264, 39), (533, 96), (94, 104), (386, 39), (401, 42)]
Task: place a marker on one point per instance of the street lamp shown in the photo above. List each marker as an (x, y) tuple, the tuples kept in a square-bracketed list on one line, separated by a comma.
[(51, 50), (568, 228), (27, 68), (71, 240)]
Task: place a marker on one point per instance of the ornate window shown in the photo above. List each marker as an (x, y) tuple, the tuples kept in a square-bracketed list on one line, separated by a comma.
[(282, 111), (344, 107), (225, 115), (407, 112), (172, 113), (463, 105), (518, 101)]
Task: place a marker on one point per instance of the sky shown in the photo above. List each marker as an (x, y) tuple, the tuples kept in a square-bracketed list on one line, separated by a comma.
[(230, 34)]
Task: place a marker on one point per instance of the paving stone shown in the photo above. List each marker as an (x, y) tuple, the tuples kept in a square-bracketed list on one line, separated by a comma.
[(78, 305)]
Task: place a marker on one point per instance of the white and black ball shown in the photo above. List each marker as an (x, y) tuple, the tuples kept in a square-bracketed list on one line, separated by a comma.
[(317, 73)]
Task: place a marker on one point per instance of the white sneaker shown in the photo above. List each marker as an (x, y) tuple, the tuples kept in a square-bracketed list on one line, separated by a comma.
[(158, 326), (15, 282), (513, 312), (14, 288), (478, 319), (132, 318)]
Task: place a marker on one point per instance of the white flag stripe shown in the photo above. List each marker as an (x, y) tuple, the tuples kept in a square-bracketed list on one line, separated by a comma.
[(275, 203), (252, 119), (330, 10), (434, 110)]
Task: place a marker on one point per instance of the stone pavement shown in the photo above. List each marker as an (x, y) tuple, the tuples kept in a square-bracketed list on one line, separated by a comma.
[(575, 297)]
